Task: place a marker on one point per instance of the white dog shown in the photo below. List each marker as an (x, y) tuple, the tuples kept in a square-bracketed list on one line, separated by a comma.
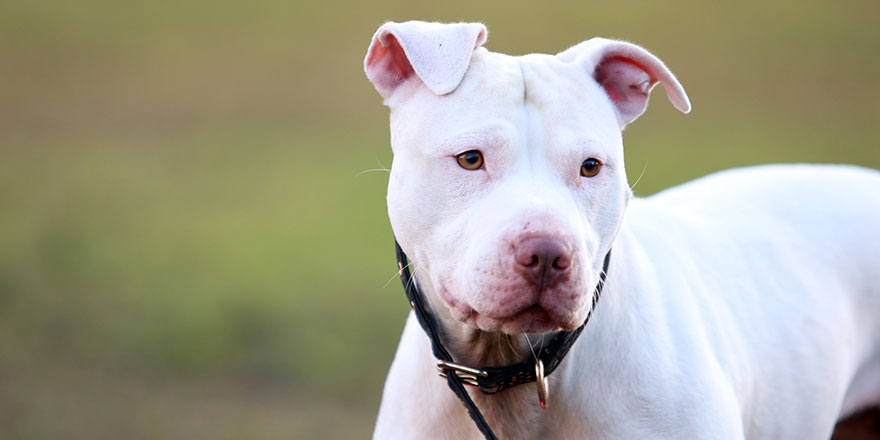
[(743, 305)]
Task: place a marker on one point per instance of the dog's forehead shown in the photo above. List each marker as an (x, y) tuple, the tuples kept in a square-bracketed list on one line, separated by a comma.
[(494, 75), (491, 90), (489, 95), (564, 96), (540, 82), (529, 94)]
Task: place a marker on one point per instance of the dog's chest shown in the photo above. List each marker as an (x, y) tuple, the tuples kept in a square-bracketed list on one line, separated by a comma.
[(515, 413)]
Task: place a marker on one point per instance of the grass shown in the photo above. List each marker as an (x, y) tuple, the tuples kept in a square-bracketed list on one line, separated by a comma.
[(188, 247), (185, 260)]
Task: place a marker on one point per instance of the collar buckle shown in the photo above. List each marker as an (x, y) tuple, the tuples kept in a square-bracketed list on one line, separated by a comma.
[(467, 374)]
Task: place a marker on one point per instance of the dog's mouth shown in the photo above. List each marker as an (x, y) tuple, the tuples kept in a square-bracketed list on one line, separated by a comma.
[(533, 319), (530, 318)]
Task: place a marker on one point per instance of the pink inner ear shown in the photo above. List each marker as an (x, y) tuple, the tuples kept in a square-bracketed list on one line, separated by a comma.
[(627, 84), (387, 64)]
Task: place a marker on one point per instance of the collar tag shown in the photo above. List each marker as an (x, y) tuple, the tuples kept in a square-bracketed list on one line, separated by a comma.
[(542, 382)]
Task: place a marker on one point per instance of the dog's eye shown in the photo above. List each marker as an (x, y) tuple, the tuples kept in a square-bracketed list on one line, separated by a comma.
[(470, 160), (590, 167)]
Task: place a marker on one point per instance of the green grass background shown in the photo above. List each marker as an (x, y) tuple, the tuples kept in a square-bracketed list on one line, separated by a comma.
[(188, 247)]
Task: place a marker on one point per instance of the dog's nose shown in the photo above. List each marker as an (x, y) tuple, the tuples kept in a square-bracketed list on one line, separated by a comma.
[(542, 260)]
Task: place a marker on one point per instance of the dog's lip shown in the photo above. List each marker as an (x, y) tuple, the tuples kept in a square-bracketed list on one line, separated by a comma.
[(464, 312), (460, 310), (532, 319), (565, 320)]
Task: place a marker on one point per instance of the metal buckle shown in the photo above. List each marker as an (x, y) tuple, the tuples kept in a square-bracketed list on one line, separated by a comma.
[(467, 374), (541, 381)]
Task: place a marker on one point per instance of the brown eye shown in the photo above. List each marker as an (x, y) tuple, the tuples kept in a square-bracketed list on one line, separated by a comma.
[(590, 167), (470, 160)]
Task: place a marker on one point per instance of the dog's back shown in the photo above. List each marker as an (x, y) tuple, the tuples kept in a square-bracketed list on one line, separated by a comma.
[(823, 222)]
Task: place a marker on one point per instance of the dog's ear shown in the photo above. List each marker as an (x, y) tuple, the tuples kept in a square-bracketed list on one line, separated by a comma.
[(627, 73), (438, 54)]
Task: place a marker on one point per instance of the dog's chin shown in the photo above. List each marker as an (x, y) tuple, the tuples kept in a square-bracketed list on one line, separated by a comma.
[(533, 319)]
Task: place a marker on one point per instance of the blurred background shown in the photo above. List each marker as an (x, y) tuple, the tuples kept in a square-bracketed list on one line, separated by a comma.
[(189, 244)]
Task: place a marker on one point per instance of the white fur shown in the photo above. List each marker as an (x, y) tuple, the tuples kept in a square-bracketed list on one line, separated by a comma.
[(742, 305)]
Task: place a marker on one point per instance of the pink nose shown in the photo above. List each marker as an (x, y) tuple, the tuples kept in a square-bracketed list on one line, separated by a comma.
[(542, 260)]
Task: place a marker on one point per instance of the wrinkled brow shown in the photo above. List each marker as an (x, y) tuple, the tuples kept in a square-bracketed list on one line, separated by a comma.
[(494, 135)]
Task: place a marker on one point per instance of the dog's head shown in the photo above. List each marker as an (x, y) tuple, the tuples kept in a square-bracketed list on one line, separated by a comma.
[(508, 185)]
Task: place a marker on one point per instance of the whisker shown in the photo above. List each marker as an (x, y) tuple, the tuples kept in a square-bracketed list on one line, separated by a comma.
[(503, 355), (381, 168), (531, 347), (396, 274), (412, 279), (633, 187), (372, 170), (510, 344)]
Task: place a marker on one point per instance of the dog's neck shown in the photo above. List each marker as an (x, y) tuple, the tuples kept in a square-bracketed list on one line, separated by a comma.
[(513, 413), (478, 348)]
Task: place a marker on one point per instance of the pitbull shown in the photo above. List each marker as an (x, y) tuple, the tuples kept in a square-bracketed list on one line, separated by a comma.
[(745, 304)]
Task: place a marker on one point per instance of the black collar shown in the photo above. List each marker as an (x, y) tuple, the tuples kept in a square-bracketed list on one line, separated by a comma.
[(491, 380)]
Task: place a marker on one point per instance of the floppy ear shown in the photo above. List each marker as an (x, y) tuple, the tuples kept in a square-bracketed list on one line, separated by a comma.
[(627, 73), (438, 54)]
